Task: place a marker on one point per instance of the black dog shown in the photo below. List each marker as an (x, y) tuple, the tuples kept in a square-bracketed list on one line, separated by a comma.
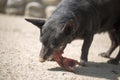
[(77, 19)]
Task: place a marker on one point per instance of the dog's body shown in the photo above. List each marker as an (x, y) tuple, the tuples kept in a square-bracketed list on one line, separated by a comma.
[(77, 19)]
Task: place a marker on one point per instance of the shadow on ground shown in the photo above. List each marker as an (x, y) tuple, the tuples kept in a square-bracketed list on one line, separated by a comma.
[(93, 69)]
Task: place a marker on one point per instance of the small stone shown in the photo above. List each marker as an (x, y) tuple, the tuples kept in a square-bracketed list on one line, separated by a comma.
[(49, 10), (3, 5), (34, 9), (50, 2), (15, 7)]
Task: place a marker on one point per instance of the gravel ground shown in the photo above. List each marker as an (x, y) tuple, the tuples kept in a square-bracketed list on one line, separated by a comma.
[(19, 55)]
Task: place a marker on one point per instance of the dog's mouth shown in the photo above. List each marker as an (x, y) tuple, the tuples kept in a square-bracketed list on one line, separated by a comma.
[(50, 56), (48, 59)]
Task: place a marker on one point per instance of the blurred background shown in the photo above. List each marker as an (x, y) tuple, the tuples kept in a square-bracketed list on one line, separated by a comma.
[(20, 47), (30, 8)]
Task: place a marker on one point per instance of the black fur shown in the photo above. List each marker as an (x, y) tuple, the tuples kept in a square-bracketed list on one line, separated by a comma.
[(78, 19), (115, 42)]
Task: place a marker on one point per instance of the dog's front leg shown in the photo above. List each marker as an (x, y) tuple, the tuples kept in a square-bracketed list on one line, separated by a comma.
[(85, 48)]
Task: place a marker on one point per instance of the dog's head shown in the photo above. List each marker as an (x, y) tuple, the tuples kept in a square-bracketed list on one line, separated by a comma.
[(53, 36)]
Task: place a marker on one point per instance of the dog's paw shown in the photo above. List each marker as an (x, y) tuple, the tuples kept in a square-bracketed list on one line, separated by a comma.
[(113, 61), (105, 55), (83, 62)]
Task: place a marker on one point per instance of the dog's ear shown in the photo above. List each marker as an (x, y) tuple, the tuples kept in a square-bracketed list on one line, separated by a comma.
[(37, 22), (68, 27)]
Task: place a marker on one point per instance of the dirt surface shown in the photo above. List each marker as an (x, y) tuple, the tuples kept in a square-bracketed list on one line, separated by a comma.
[(19, 55)]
